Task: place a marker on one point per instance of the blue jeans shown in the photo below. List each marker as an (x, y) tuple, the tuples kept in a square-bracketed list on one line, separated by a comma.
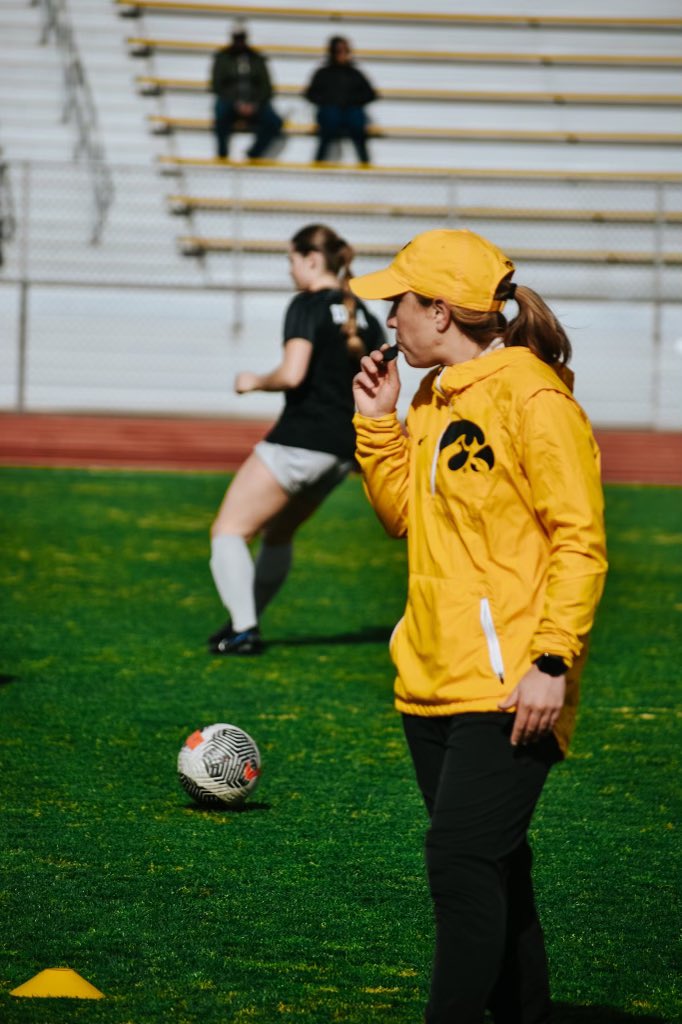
[(339, 122), (266, 122)]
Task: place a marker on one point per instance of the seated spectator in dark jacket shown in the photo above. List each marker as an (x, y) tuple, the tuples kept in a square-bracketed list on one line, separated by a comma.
[(243, 89), (340, 92)]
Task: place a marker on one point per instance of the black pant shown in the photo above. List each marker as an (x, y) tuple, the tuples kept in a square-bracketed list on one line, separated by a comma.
[(266, 122), (335, 122), (480, 793)]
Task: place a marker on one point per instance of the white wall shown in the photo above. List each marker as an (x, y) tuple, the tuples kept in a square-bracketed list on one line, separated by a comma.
[(163, 352)]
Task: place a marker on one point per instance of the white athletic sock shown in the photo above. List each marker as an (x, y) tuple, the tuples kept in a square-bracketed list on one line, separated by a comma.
[(233, 574), (272, 568)]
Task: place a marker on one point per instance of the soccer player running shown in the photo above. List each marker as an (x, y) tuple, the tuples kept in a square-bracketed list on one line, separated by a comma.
[(496, 486), (309, 450)]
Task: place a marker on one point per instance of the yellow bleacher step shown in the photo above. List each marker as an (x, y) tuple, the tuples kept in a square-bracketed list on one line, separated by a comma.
[(191, 245), (174, 164), (156, 84), (141, 45), (162, 124), (323, 13), (180, 204)]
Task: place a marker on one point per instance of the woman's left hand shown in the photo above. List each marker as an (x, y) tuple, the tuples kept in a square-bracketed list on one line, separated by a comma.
[(539, 699)]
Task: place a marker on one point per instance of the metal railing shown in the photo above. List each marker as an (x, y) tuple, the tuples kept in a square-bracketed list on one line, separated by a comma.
[(79, 108)]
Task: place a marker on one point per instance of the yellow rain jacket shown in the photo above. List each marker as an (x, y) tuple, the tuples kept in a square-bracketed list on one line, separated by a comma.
[(497, 487)]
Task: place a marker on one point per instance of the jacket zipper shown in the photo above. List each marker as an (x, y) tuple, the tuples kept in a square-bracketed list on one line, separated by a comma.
[(434, 461), (494, 650)]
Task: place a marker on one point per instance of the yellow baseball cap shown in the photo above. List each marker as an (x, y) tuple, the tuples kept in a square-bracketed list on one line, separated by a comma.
[(459, 266)]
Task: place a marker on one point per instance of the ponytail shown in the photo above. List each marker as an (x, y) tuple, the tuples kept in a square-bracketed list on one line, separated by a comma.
[(534, 327), (338, 256), (355, 346)]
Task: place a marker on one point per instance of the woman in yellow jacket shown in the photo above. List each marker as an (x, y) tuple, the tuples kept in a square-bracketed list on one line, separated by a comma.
[(496, 485)]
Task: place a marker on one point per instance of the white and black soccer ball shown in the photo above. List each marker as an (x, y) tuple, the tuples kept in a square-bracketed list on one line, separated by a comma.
[(219, 766)]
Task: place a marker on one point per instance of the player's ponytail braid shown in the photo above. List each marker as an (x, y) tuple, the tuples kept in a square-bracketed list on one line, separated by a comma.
[(338, 256), (354, 343)]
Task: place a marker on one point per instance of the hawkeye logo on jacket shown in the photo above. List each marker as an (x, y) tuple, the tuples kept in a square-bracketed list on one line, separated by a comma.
[(470, 451)]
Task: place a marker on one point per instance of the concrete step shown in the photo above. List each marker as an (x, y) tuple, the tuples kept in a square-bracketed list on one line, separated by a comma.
[(476, 115), (449, 75), (415, 35), (444, 154)]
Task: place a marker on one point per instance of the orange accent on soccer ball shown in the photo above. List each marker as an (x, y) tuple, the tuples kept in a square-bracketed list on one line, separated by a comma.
[(251, 772), (194, 740)]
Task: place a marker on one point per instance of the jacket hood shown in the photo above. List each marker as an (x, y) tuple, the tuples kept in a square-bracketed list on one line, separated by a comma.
[(452, 380)]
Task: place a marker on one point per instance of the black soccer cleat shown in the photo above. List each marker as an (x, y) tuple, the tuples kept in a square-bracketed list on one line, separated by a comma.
[(249, 641), (220, 634)]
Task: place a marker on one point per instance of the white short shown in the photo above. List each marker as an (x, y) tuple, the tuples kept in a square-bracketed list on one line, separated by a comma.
[(300, 470)]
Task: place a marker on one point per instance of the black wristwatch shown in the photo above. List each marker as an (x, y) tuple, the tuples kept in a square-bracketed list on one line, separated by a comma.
[(551, 665)]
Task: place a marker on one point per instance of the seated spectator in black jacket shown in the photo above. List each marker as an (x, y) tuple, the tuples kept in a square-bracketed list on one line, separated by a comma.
[(243, 89), (340, 92)]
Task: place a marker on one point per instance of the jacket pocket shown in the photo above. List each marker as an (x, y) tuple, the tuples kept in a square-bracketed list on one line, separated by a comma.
[(492, 639)]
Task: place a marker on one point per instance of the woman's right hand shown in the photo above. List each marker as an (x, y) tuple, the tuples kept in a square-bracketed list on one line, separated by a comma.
[(246, 381), (377, 386)]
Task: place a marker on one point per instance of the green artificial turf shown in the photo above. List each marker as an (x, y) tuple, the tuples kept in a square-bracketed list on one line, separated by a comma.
[(310, 905)]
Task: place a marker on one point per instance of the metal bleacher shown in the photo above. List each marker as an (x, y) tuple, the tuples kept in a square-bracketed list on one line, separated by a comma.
[(557, 135), (587, 124)]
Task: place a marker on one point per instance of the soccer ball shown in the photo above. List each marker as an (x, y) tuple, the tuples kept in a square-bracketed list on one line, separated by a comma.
[(219, 766)]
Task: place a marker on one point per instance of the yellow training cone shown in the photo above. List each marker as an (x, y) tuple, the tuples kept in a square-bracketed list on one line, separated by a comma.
[(56, 982)]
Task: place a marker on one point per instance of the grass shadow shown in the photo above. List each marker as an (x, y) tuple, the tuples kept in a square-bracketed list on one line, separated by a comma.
[(568, 1013), (252, 805), (369, 635)]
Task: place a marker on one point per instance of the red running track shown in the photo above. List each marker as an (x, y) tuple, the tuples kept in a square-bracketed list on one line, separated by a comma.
[(43, 439)]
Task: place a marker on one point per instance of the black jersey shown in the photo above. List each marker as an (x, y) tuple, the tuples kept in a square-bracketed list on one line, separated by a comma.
[(318, 413)]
